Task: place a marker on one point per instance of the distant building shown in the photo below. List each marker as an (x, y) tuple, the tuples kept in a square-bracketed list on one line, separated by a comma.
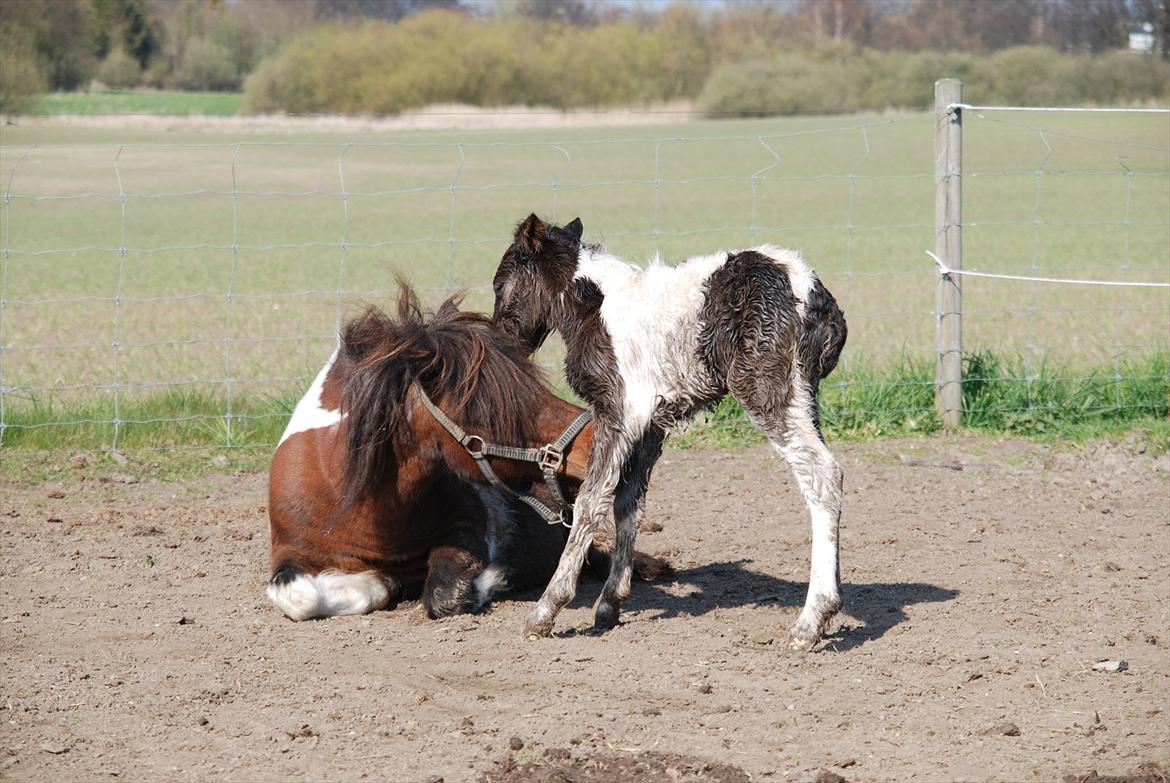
[(1141, 38)]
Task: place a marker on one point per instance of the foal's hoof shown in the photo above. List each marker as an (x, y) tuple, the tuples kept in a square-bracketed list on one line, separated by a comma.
[(535, 631), (605, 616), (803, 638), (801, 645)]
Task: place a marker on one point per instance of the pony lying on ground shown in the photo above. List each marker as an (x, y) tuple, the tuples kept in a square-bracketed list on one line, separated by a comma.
[(372, 499), (650, 348)]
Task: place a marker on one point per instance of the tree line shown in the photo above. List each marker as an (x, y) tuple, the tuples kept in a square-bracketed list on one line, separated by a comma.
[(387, 55)]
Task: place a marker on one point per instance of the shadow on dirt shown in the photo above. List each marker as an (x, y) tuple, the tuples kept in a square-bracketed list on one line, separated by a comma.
[(878, 606)]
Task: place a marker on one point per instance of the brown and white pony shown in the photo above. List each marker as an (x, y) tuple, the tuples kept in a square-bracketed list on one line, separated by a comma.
[(648, 348), (371, 500)]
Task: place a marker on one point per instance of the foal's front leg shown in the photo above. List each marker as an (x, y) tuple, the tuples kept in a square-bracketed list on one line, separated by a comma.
[(628, 507), (594, 500)]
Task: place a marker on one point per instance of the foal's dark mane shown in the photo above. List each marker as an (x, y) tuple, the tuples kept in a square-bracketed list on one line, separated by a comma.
[(481, 378)]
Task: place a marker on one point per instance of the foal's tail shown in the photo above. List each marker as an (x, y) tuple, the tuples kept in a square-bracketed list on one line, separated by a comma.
[(824, 334)]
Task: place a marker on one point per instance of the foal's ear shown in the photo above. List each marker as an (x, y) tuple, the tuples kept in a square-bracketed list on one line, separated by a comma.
[(574, 229), (585, 296), (530, 233)]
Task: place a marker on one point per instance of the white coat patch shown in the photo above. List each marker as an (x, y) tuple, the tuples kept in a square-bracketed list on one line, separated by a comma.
[(309, 413), (330, 593)]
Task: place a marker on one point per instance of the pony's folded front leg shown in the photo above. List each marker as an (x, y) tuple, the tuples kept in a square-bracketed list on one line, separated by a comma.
[(450, 584)]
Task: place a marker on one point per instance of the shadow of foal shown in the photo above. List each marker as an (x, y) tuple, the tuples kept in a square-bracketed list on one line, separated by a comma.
[(877, 606)]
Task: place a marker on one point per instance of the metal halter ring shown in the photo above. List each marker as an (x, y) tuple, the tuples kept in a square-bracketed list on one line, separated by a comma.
[(478, 452), (551, 458)]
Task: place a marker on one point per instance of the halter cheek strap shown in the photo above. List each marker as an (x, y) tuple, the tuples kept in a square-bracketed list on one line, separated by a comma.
[(549, 457)]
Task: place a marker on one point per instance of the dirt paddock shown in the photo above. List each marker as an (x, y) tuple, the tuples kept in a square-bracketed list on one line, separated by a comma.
[(983, 579)]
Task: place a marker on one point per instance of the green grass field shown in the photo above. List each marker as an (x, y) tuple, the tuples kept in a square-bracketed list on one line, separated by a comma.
[(164, 102), (241, 251)]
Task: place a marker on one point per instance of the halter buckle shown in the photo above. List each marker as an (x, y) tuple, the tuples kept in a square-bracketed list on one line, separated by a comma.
[(551, 458), (477, 452)]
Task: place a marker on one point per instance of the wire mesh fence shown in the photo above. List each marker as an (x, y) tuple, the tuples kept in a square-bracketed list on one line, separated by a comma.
[(1064, 210), (159, 295)]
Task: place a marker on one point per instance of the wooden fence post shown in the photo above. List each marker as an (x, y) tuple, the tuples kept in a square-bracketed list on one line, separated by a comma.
[(948, 246)]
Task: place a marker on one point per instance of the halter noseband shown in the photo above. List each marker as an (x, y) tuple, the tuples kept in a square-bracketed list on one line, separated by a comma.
[(549, 457)]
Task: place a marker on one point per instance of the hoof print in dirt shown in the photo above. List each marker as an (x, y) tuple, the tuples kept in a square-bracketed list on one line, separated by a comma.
[(558, 764), (825, 776), (1149, 772), (1004, 729)]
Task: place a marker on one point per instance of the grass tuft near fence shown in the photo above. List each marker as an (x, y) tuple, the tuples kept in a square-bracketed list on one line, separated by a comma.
[(998, 396)]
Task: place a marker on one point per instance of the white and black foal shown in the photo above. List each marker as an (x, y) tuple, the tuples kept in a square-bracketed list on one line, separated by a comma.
[(650, 348)]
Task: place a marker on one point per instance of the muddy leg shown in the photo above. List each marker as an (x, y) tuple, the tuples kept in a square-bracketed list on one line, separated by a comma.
[(821, 483), (628, 508), (593, 501)]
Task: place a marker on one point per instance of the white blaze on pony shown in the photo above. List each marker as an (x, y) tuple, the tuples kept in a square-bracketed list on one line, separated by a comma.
[(650, 348)]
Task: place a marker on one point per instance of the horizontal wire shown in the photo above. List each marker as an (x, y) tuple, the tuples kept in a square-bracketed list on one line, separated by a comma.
[(108, 249), (454, 145), (169, 343), (1066, 223), (946, 270), (235, 381), (1078, 136), (442, 188), (1079, 109), (238, 295), (446, 188)]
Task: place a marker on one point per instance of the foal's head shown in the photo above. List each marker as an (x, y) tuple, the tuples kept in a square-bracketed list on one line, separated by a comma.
[(536, 269)]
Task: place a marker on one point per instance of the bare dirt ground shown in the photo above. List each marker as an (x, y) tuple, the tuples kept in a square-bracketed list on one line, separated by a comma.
[(983, 579)]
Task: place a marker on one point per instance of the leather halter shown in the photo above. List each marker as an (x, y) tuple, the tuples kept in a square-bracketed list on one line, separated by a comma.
[(549, 457)]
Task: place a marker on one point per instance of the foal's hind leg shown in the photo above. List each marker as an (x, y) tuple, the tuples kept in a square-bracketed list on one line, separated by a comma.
[(821, 482), (794, 433), (629, 502)]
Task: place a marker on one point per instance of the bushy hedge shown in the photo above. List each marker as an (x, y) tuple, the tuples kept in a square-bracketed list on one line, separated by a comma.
[(440, 56), (22, 79), (877, 80), (119, 70), (206, 65)]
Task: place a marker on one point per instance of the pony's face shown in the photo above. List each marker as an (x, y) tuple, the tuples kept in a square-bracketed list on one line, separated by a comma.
[(536, 269)]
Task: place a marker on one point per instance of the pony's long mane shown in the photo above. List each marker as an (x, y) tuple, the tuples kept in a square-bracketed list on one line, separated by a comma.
[(481, 378)]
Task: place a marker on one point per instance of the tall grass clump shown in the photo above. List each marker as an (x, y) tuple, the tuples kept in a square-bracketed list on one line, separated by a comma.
[(1000, 395)]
